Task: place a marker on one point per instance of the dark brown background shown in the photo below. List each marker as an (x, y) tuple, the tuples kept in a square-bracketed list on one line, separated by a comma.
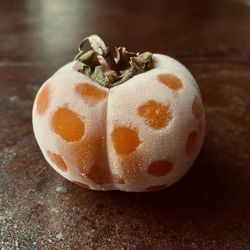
[(209, 208)]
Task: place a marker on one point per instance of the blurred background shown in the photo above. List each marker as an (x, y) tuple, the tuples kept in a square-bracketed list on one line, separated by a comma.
[(209, 208), (49, 31)]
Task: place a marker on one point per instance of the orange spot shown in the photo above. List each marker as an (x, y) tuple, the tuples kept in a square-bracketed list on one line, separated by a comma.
[(81, 184), (68, 125), (191, 142), (156, 114), (103, 176), (83, 154), (197, 109), (90, 93), (171, 81), (132, 168), (156, 187), (58, 161), (42, 101), (125, 140), (160, 168)]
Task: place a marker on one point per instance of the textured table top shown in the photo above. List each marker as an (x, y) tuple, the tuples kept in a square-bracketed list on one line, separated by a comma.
[(208, 209)]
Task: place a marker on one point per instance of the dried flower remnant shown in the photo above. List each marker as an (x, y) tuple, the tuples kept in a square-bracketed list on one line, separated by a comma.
[(108, 71)]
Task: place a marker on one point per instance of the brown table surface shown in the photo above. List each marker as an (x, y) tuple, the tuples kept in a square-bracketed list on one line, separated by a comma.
[(208, 209)]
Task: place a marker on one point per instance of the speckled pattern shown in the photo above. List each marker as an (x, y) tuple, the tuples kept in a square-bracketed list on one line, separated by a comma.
[(208, 209), (93, 153)]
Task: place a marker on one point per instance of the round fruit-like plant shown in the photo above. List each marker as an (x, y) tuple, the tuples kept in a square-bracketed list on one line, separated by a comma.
[(131, 122)]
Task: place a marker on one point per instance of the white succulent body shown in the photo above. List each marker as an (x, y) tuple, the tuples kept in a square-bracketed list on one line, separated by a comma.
[(142, 135)]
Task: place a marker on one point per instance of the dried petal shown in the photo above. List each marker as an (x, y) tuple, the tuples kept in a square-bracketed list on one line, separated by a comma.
[(82, 68), (104, 76), (123, 57), (144, 60), (89, 58), (98, 45)]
